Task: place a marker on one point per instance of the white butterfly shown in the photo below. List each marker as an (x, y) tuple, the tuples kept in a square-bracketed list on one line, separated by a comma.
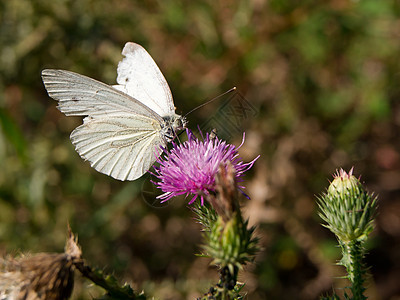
[(125, 124)]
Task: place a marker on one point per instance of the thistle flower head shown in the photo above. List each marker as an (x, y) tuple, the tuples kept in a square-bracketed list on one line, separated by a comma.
[(190, 168)]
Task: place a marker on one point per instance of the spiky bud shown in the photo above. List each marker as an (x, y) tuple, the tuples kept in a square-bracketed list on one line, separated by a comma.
[(347, 208), (229, 242)]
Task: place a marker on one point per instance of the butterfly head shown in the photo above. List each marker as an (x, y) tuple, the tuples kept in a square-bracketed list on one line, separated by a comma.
[(173, 124), (179, 122)]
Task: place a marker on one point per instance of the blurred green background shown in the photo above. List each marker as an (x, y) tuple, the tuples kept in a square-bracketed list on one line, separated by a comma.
[(324, 77)]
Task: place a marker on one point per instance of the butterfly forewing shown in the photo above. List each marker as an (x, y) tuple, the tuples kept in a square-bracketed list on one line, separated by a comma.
[(79, 95), (140, 77)]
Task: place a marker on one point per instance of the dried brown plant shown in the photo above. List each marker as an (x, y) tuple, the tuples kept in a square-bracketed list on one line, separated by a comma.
[(43, 276)]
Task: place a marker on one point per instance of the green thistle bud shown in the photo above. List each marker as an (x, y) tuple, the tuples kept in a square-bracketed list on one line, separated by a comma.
[(231, 244), (348, 211), (228, 240), (347, 208)]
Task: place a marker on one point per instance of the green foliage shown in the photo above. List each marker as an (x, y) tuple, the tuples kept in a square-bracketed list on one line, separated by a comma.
[(13, 134)]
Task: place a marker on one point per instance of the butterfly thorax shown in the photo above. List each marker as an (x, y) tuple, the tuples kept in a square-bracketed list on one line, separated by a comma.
[(171, 125)]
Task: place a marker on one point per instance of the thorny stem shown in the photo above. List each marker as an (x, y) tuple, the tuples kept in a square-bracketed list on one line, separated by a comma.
[(352, 260), (108, 283), (227, 279)]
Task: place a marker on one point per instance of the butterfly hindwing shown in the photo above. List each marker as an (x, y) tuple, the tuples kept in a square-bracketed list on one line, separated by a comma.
[(123, 148)]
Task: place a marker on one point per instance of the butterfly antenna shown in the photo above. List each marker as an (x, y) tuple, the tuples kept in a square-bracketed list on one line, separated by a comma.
[(177, 136), (209, 101)]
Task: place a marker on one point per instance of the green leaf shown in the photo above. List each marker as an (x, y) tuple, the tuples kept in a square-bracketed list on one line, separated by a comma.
[(13, 134)]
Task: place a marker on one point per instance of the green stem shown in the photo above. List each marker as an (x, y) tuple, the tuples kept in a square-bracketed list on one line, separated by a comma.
[(228, 281), (109, 283), (352, 260)]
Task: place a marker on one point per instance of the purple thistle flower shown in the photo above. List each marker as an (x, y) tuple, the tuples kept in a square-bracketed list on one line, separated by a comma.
[(190, 168)]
